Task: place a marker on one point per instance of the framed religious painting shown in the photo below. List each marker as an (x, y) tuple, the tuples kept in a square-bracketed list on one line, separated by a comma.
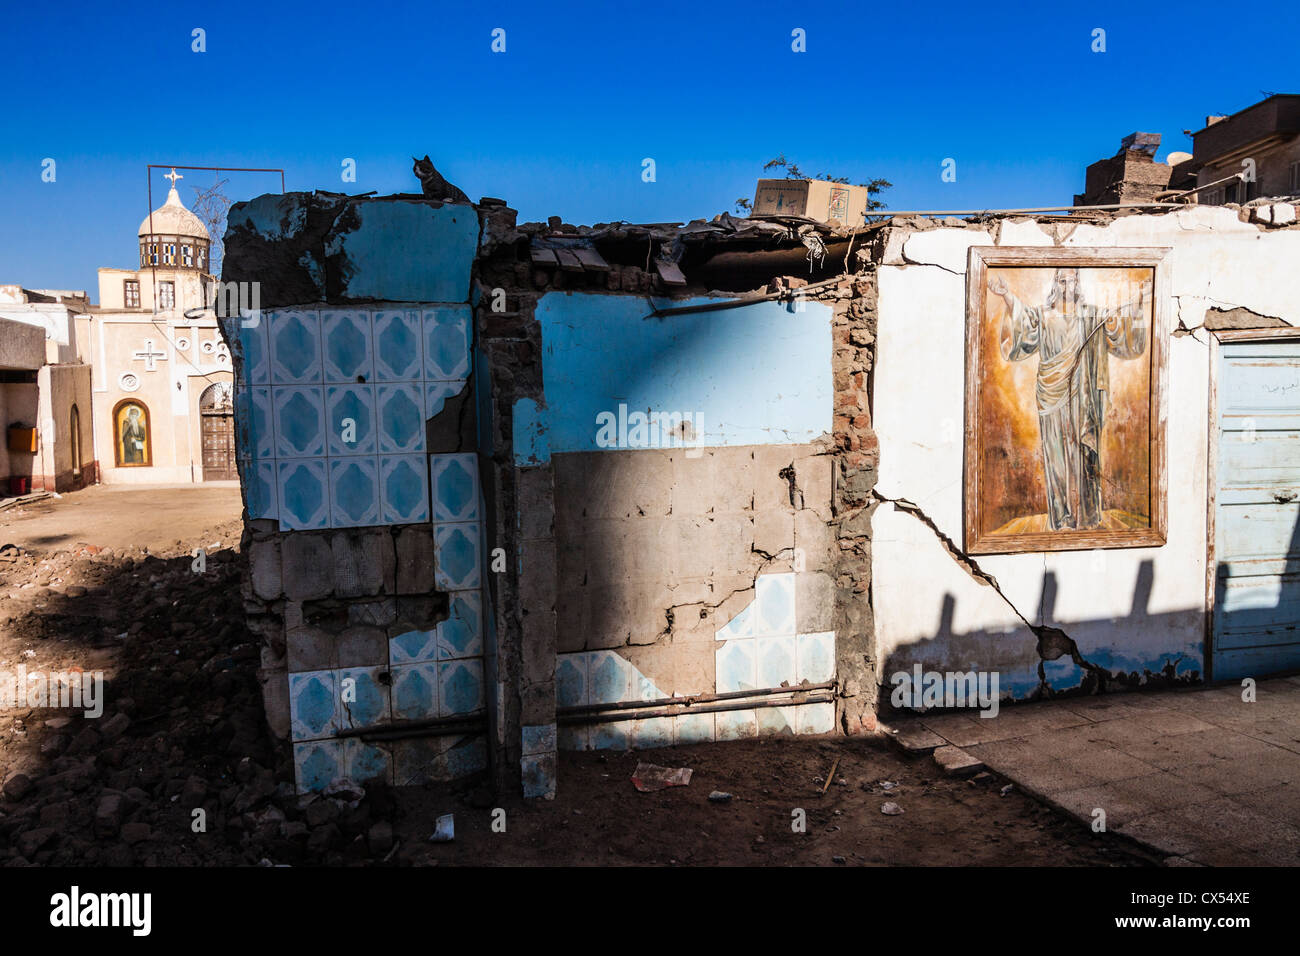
[(1066, 375)]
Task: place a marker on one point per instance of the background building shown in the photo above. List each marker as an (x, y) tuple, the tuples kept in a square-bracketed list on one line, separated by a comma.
[(45, 391), (131, 390), (162, 380)]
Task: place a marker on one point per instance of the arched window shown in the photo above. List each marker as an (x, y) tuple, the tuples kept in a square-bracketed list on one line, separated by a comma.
[(74, 431), (132, 444)]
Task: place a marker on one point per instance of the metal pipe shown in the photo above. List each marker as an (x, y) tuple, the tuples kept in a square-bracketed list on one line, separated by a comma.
[(428, 727), (568, 719), (743, 301), (693, 699)]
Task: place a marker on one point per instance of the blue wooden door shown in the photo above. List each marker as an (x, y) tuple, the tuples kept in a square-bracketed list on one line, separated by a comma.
[(1257, 511)]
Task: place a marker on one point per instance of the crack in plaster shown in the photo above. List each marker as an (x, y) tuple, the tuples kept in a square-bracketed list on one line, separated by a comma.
[(1053, 642)]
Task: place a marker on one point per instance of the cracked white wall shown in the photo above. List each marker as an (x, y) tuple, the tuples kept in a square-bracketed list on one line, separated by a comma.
[(1129, 609)]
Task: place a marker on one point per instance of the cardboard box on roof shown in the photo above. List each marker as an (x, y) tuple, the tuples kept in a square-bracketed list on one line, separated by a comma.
[(814, 198)]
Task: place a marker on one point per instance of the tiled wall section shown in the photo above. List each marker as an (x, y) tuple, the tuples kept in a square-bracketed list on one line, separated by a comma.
[(420, 674), (758, 648), (332, 405)]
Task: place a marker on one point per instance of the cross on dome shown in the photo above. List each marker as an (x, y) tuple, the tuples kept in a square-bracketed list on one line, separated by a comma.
[(173, 176)]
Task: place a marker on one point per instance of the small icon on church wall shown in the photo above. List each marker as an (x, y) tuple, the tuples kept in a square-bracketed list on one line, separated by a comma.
[(131, 423)]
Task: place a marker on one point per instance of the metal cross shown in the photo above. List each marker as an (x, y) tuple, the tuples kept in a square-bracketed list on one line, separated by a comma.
[(147, 355)]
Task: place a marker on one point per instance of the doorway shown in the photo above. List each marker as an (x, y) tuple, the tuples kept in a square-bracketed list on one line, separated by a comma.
[(217, 433), (1255, 589)]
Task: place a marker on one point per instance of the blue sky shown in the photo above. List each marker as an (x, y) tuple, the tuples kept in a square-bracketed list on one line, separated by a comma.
[(560, 123)]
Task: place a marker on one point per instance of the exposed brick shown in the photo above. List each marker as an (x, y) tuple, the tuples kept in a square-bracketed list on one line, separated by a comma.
[(413, 547), (358, 562), (307, 566), (264, 568)]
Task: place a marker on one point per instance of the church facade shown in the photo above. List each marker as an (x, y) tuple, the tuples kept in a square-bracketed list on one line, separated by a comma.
[(136, 389), (161, 371)]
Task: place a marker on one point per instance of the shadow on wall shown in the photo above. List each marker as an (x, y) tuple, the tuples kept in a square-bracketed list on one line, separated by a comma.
[(1257, 592), (1256, 628), (1040, 660)]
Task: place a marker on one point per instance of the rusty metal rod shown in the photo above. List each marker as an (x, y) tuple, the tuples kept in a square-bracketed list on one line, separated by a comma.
[(430, 726), (692, 699), (718, 708), (744, 300)]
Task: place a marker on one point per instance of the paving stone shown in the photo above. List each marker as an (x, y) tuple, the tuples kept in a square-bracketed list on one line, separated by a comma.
[(913, 736), (1162, 831), (956, 762), (1106, 763)]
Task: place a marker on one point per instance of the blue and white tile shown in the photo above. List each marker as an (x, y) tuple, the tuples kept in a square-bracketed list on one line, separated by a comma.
[(777, 720), (691, 728), (774, 597), (537, 776), (461, 634), (261, 490), (299, 421), (346, 348), (317, 764), (736, 667), (454, 479), (255, 352), (643, 687), (295, 347), (460, 687), (313, 705), (413, 647), (739, 627), (446, 343), (538, 738), (816, 657), (399, 408), (367, 763), (254, 423), (354, 493), (415, 691), (363, 697), (419, 760), (776, 660), (458, 553), (815, 718), (615, 735), (404, 490), (304, 494), (467, 757), (399, 354), (573, 737), (610, 678), (651, 732), (437, 393), (735, 725), (354, 404), (571, 683)]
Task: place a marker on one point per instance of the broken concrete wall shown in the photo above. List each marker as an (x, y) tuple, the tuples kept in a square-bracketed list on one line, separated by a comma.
[(672, 482), (1118, 617), (357, 454), (683, 536)]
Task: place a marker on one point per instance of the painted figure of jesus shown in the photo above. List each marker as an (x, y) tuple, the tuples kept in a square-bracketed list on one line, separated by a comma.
[(1073, 340)]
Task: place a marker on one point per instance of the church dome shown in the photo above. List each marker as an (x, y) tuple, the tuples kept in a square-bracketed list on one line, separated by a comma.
[(173, 219)]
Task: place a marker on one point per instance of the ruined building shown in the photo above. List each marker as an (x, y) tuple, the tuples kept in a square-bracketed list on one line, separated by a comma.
[(516, 488)]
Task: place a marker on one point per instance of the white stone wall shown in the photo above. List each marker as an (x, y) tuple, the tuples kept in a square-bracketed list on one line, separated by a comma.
[(1129, 610)]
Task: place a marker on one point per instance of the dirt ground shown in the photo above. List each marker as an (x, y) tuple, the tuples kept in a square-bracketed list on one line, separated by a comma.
[(122, 516), (599, 818), (183, 729)]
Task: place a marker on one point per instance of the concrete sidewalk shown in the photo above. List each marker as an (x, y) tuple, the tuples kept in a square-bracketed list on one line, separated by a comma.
[(1200, 776)]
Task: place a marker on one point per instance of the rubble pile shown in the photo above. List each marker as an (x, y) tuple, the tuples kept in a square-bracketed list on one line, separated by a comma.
[(178, 768)]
